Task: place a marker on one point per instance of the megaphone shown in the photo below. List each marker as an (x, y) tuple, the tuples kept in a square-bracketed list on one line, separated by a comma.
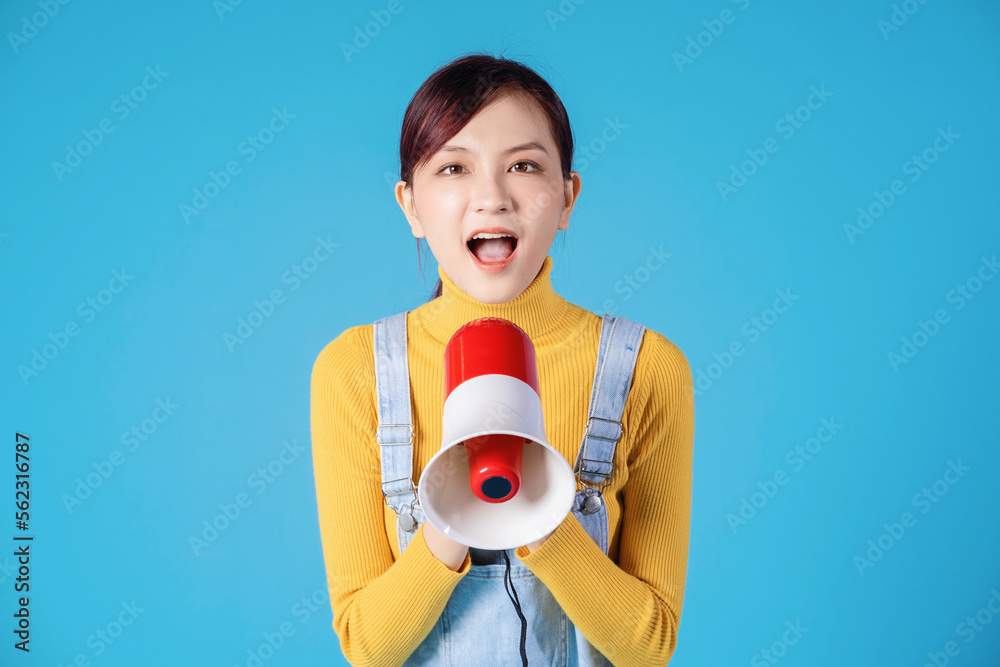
[(496, 483)]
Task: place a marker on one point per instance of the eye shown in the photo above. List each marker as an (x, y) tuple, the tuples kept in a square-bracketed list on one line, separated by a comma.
[(535, 167), (445, 169)]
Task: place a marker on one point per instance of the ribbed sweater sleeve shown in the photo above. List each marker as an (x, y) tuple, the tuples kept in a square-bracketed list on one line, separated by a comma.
[(631, 611), (382, 610)]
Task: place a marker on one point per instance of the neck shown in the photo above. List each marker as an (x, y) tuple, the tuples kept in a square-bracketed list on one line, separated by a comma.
[(545, 316)]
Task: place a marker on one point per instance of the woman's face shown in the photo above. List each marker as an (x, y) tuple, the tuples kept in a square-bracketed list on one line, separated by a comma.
[(500, 174)]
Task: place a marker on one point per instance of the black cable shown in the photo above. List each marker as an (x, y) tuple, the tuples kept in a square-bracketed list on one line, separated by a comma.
[(517, 607)]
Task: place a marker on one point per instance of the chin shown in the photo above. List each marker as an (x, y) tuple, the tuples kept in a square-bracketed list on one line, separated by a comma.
[(493, 294)]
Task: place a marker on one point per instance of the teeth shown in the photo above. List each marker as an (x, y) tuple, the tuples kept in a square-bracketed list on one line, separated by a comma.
[(491, 236)]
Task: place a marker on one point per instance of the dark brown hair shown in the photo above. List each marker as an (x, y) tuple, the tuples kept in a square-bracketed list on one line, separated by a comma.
[(452, 95)]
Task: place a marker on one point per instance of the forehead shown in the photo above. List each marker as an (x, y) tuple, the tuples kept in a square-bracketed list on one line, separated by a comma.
[(513, 117)]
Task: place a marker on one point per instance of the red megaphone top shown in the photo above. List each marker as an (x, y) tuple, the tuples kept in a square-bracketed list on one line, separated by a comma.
[(489, 345)]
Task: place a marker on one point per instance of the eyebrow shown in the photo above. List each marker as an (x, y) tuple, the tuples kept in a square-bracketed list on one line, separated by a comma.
[(531, 145)]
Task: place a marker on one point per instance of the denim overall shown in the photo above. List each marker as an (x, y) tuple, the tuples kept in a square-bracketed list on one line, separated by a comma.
[(479, 625)]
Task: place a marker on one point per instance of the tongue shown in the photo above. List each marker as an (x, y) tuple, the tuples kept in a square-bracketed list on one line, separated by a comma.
[(493, 250)]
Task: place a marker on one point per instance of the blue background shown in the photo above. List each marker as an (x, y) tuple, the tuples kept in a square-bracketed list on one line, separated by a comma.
[(686, 125)]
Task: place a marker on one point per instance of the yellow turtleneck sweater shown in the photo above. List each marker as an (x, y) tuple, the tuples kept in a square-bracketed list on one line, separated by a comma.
[(628, 603)]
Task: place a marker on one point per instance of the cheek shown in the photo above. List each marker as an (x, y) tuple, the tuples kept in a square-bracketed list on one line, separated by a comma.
[(441, 203), (544, 200)]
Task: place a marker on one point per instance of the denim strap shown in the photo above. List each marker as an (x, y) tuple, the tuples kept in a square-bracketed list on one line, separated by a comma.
[(395, 428), (616, 355)]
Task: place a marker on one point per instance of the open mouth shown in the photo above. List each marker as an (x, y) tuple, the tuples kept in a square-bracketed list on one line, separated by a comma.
[(492, 249)]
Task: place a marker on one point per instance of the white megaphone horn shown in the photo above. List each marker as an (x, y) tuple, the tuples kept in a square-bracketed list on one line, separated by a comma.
[(496, 483)]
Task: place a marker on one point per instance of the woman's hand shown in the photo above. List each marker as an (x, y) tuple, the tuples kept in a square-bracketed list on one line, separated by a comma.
[(539, 542), (445, 549)]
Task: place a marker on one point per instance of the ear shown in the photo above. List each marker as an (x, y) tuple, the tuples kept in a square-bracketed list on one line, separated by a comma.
[(570, 192), (404, 197)]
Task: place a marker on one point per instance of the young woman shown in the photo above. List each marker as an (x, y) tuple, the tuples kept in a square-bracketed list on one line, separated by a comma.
[(485, 154)]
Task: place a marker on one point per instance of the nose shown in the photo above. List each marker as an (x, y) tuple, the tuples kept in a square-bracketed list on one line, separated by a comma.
[(490, 194)]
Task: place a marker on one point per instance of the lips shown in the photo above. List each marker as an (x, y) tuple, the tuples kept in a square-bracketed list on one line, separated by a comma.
[(493, 265), (491, 230)]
